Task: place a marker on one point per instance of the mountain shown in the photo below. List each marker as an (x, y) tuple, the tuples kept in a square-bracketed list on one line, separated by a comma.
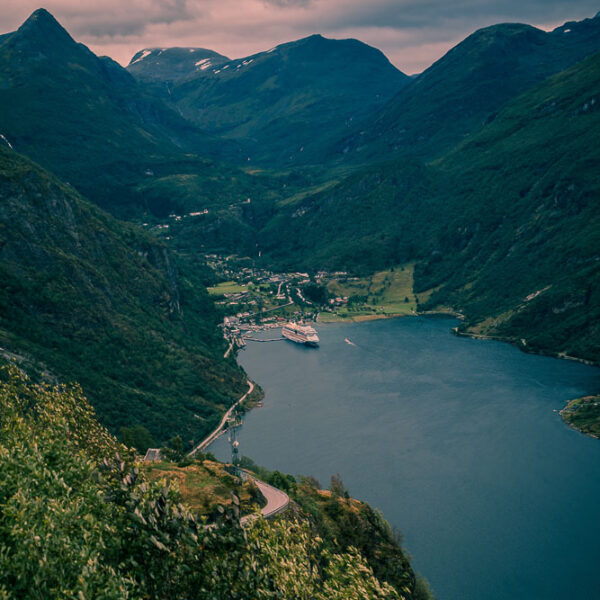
[(84, 297), (87, 120), (520, 253), (504, 227), (166, 65), (283, 103), (454, 97)]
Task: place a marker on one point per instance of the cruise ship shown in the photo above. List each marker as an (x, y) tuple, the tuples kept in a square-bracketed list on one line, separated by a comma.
[(301, 334)]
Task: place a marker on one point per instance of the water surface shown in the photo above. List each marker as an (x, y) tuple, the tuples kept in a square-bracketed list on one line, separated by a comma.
[(455, 440)]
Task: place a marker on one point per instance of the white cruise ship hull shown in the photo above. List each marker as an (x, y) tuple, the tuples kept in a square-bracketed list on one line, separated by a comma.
[(300, 338)]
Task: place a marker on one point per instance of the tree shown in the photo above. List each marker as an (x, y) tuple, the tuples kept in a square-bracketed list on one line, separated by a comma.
[(316, 293), (138, 437)]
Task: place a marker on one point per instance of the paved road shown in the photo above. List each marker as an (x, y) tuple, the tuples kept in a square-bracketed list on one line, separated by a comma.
[(228, 350), (204, 444), (277, 501)]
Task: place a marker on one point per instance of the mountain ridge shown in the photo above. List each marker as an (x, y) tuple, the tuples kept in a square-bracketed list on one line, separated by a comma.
[(455, 96), (278, 103), (165, 65)]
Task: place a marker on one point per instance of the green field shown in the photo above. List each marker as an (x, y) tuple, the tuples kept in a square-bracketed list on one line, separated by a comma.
[(386, 293), (228, 287)]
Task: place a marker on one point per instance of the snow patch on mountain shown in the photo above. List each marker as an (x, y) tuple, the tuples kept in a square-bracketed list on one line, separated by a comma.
[(203, 64), (142, 56)]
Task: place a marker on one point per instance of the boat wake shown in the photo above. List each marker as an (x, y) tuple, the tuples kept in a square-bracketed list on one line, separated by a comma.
[(349, 342)]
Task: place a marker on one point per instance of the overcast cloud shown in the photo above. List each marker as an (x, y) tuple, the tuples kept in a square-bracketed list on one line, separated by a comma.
[(412, 33)]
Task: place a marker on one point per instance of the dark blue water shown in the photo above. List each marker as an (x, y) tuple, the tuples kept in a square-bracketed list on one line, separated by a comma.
[(453, 439)]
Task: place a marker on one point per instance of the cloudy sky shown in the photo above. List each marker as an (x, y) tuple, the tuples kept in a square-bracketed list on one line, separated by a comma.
[(412, 33)]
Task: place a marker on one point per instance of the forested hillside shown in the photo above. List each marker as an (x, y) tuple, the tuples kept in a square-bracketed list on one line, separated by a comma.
[(87, 298), (464, 89), (280, 105)]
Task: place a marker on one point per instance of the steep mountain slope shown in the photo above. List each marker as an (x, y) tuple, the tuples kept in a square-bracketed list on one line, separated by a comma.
[(506, 226), (376, 217), (166, 65), (87, 120), (97, 301), (282, 103), (521, 253), (457, 94)]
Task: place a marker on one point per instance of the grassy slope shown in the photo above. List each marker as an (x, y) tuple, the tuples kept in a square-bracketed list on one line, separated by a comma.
[(101, 302), (205, 485), (385, 293)]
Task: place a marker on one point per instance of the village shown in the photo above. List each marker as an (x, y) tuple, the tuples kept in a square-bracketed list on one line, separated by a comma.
[(254, 298)]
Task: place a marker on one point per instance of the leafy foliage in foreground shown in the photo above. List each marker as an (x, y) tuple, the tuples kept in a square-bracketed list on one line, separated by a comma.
[(345, 524), (78, 521)]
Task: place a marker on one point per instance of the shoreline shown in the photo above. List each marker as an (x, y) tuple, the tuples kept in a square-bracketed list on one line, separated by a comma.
[(382, 316), (524, 348), (478, 336), (571, 408), (220, 430), (558, 355), (455, 331)]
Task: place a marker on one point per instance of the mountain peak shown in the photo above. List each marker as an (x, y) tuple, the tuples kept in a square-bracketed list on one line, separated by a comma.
[(173, 64), (43, 23), (42, 14), (41, 35)]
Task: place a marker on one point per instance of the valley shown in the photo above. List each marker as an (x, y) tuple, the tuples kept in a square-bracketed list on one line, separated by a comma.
[(155, 218), (499, 225)]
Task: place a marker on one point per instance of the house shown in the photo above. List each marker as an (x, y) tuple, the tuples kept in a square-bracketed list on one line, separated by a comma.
[(153, 455)]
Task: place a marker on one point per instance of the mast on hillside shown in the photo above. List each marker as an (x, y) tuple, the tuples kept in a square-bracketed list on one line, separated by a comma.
[(233, 424)]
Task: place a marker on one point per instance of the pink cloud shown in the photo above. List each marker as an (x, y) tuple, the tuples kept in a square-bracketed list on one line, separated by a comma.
[(412, 33)]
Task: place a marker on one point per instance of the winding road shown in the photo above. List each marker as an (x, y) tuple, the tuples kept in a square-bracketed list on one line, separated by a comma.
[(277, 501), (204, 444)]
